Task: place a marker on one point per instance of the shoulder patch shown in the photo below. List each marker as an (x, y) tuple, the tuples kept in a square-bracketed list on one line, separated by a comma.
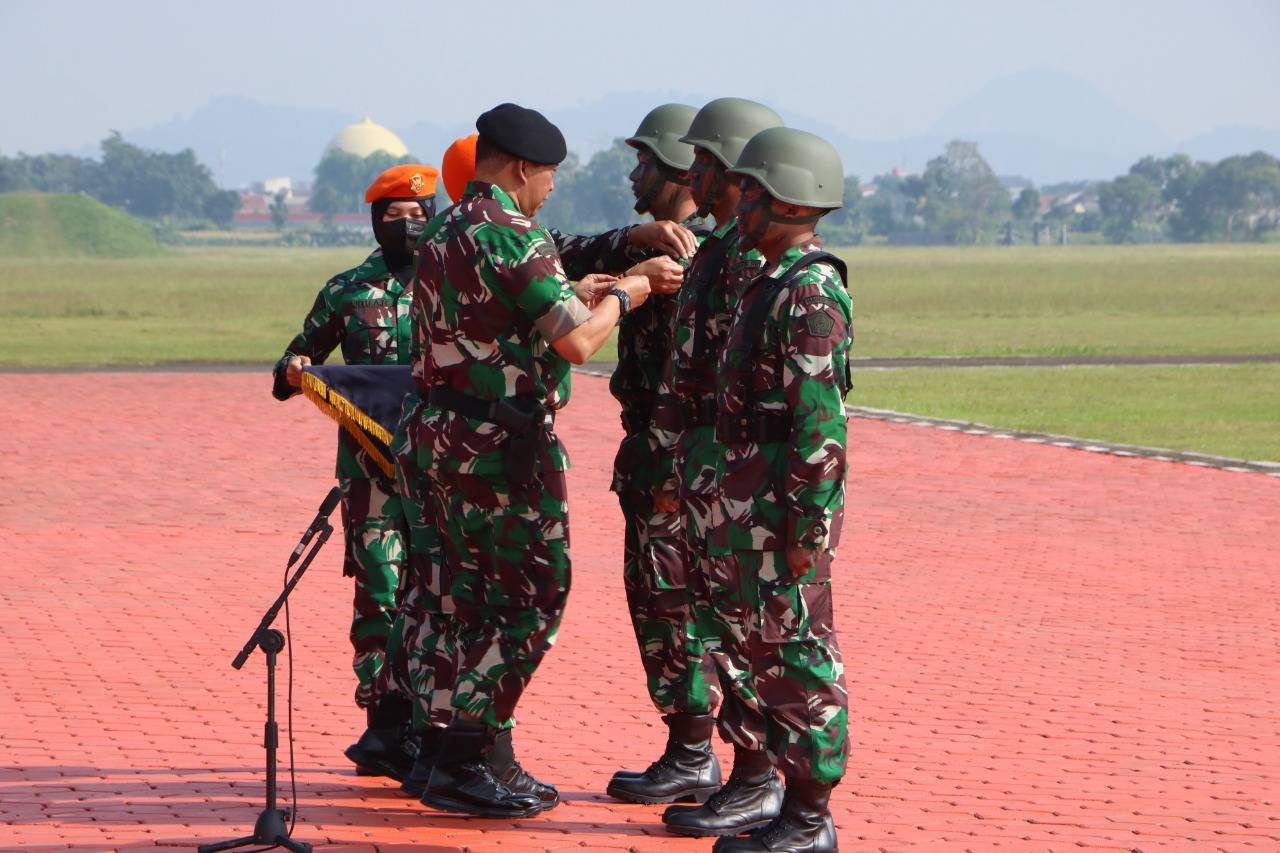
[(820, 300), (819, 323)]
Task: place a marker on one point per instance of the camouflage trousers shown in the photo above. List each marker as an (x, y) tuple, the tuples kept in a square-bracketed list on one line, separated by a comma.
[(419, 666), (374, 539), (506, 553), (677, 673), (721, 623), (782, 627)]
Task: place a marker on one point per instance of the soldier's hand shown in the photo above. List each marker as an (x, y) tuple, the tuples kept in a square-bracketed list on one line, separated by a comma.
[(670, 238), (636, 286), (664, 500), (293, 370), (591, 287), (665, 275), (801, 560)]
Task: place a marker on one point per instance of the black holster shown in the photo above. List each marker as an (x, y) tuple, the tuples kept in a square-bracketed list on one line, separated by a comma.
[(525, 441), (523, 418)]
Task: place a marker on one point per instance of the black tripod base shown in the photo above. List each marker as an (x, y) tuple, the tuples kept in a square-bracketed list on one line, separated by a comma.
[(271, 828)]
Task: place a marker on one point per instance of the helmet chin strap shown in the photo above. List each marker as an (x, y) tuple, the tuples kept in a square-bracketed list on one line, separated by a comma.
[(714, 191), (662, 175), (645, 200), (763, 209)]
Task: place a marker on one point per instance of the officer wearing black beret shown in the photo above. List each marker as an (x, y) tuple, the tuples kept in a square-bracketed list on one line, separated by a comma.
[(501, 323), (523, 133)]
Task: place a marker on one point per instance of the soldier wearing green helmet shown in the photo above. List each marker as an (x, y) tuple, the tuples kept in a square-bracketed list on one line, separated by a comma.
[(781, 380), (684, 431), (654, 556)]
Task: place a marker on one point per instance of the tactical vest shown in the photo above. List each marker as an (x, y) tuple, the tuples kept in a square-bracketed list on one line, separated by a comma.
[(760, 425), (695, 378)]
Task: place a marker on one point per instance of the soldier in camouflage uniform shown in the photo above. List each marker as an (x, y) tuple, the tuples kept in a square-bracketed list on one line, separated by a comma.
[(365, 311), (781, 381), (683, 429), (504, 322), (654, 554), (427, 609)]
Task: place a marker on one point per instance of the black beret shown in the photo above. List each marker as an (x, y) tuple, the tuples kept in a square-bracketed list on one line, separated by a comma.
[(522, 133)]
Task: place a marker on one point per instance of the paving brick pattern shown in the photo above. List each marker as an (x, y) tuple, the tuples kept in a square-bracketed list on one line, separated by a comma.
[(1046, 649)]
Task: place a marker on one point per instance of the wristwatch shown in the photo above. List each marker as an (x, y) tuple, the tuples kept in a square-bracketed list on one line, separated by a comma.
[(624, 301)]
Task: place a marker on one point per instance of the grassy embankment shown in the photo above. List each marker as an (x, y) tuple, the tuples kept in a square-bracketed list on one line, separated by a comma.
[(41, 225), (243, 304)]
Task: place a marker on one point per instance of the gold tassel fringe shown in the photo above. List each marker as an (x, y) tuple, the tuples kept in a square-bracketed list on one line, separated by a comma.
[(358, 424)]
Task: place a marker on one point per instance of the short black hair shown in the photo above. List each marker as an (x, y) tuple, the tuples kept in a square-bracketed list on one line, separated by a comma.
[(487, 152)]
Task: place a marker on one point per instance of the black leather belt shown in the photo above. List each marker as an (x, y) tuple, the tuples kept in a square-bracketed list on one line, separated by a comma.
[(758, 427), (514, 413), (699, 412)]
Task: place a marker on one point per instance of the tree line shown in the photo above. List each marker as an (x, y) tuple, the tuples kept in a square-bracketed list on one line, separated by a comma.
[(959, 199), (1181, 199), (151, 184)]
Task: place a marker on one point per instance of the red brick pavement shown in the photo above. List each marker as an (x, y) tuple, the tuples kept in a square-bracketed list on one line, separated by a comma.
[(1046, 648)]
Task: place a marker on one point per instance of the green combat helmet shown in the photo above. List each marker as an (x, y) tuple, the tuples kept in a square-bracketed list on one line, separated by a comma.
[(794, 166), (724, 125), (660, 132)]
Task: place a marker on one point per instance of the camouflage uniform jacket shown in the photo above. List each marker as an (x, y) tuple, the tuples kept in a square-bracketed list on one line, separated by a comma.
[(579, 255), (365, 311), (775, 493), (644, 346), (492, 293), (688, 379)]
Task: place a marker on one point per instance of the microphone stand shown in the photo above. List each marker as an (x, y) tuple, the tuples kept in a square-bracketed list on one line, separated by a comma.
[(272, 826)]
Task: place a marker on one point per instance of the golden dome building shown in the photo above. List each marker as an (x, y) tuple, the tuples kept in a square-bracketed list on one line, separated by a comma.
[(365, 137)]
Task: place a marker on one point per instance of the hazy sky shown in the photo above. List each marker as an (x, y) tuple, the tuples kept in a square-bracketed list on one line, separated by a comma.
[(71, 70)]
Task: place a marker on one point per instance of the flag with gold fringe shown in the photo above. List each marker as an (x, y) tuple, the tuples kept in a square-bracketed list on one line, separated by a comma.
[(364, 399)]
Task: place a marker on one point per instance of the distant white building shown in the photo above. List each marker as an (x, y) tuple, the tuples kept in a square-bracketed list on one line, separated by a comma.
[(271, 186)]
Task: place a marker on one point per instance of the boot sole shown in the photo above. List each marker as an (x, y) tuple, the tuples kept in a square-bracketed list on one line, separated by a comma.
[(696, 795), (367, 765), (699, 832), (412, 790), (549, 805), (445, 804)]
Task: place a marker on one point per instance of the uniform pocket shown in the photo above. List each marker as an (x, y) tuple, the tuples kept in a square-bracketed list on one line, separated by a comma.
[(668, 558), (795, 611)]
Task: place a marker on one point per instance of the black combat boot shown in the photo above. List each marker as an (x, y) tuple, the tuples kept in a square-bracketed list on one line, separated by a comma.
[(686, 770), (462, 780), (502, 758), (388, 746), (415, 781), (749, 800), (803, 826)]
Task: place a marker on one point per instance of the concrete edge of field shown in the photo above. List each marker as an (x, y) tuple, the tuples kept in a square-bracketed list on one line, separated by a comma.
[(1161, 454)]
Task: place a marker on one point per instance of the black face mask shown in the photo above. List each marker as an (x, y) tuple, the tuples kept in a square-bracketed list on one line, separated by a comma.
[(399, 237)]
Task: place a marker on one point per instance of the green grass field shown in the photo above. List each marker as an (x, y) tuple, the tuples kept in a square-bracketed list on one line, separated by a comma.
[(1227, 410), (243, 304), (1075, 300)]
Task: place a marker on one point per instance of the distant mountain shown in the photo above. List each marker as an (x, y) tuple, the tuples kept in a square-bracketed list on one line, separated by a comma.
[(1049, 105), (1045, 125), (243, 140), (1225, 141)]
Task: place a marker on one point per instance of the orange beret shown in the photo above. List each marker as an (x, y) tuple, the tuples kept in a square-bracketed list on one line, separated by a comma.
[(408, 180), (458, 167)]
